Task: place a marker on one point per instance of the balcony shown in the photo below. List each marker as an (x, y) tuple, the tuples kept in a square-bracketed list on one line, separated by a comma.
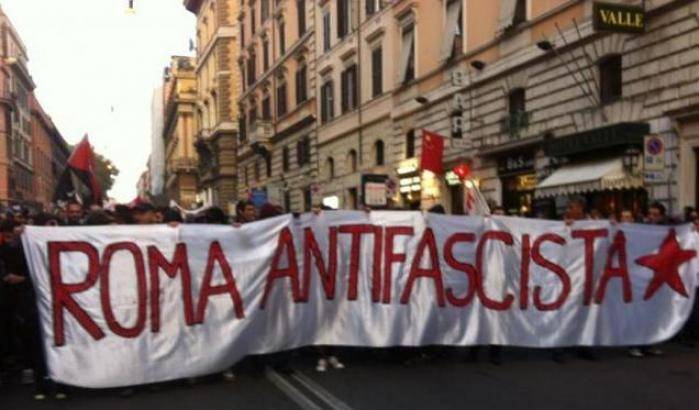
[(183, 165), (514, 124), (261, 132)]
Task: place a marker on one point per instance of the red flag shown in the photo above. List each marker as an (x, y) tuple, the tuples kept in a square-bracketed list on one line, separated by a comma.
[(80, 167), (432, 152)]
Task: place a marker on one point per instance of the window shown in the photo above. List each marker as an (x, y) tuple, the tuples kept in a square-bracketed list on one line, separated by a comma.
[(326, 102), (251, 69), (252, 117), (452, 42), (349, 89), (352, 161), (265, 54), (264, 12), (352, 198), (243, 74), (268, 164), (331, 168), (242, 129), (516, 101), (520, 12), (242, 34), (610, 84), (303, 151), (252, 19), (342, 18), (326, 32), (378, 151), (266, 108), (307, 199), (282, 38), (286, 161), (301, 85), (371, 7), (410, 144), (376, 72), (256, 168), (407, 62), (301, 13), (287, 201), (281, 100)]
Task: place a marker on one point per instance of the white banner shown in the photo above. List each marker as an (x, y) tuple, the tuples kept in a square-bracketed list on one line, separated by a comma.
[(124, 305)]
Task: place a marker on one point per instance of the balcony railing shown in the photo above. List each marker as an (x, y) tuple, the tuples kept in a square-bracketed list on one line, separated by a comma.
[(261, 132), (515, 123)]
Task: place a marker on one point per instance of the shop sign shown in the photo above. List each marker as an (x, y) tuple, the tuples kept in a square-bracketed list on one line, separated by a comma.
[(452, 179), (515, 164), (407, 166), (619, 18), (375, 190)]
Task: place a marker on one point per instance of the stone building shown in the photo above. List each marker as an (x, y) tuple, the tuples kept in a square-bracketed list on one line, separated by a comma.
[(548, 106), (218, 87), (179, 127), (277, 149), (543, 99), (32, 151)]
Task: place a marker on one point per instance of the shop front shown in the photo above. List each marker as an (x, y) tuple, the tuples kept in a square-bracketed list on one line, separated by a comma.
[(602, 165), (409, 184), (518, 177)]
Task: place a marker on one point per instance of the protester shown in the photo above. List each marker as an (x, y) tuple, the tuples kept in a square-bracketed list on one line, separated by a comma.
[(657, 215), (498, 210), (626, 216), (143, 214), (122, 215), (99, 218), (15, 275), (268, 210), (74, 213), (244, 212), (172, 216)]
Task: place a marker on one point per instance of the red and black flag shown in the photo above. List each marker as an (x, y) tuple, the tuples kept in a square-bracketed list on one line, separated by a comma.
[(79, 181)]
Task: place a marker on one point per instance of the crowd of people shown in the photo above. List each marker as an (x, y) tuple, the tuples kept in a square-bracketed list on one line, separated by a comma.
[(21, 351)]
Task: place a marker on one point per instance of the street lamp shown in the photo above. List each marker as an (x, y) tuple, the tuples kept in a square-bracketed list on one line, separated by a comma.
[(631, 159)]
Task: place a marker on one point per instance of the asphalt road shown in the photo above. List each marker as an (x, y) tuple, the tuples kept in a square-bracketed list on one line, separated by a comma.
[(527, 379)]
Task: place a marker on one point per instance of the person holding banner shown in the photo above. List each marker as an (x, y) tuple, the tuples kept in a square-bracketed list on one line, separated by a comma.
[(15, 275)]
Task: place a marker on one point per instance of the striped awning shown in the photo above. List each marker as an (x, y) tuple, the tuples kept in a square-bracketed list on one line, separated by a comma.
[(588, 177)]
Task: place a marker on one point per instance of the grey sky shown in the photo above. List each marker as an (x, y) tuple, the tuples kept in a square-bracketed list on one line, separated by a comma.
[(89, 56)]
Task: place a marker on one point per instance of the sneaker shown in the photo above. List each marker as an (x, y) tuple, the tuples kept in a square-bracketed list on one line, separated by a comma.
[(335, 363), (127, 393), (60, 396), (322, 365), (228, 375), (39, 396), (653, 351), (27, 376), (635, 352)]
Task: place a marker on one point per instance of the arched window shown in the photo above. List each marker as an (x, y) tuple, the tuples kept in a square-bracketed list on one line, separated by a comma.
[(352, 161), (379, 152)]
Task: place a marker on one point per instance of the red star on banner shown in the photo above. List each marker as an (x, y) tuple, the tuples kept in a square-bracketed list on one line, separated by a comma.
[(665, 265)]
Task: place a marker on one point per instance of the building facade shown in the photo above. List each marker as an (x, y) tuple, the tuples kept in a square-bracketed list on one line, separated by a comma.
[(539, 98), (179, 128), (32, 151), (218, 86), (277, 151)]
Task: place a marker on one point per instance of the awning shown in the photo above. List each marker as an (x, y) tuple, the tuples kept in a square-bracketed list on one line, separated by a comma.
[(588, 177)]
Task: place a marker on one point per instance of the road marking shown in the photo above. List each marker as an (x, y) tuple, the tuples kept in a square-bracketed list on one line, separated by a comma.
[(287, 388), (319, 391)]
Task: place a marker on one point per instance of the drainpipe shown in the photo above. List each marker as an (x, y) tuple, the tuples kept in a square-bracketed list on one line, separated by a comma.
[(359, 86)]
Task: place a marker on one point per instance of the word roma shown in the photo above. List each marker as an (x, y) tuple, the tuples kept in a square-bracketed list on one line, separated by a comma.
[(148, 288)]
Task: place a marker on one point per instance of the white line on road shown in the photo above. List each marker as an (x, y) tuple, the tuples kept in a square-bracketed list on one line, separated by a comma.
[(319, 391), (287, 388)]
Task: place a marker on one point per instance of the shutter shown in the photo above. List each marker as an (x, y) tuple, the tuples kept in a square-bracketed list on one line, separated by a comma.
[(370, 7), (377, 71), (343, 90), (354, 88), (341, 18), (324, 103), (507, 14), (297, 84), (331, 100), (326, 32), (406, 52), (452, 27)]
